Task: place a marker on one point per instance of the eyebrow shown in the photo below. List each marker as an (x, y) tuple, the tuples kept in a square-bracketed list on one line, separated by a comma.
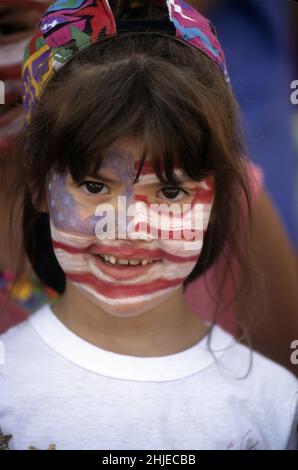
[(106, 179), (100, 177)]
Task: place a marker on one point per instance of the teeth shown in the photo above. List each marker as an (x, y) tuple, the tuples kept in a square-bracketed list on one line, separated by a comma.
[(134, 262), (123, 261)]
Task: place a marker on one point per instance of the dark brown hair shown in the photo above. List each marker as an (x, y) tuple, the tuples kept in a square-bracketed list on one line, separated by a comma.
[(152, 87)]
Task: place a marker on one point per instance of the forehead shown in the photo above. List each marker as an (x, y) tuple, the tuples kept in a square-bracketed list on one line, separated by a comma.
[(128, 148), (124, 158)]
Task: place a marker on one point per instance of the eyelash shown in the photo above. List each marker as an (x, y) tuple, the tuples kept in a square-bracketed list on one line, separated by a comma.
[(176, 188), (85, 183)]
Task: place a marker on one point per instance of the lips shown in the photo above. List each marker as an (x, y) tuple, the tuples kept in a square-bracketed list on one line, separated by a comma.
[(124, 252), (122, 272)]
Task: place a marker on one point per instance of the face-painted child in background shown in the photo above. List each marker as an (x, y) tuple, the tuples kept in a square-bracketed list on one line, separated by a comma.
[(127, 289), (18, 18)]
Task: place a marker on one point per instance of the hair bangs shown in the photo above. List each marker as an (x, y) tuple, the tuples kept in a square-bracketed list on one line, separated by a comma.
[(133, 104)]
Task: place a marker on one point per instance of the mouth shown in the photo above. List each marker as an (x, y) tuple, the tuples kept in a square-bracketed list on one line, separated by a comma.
[(121, 268), (110, 259)]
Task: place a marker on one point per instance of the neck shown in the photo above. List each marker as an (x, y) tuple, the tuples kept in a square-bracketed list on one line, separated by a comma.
[(169, 328)]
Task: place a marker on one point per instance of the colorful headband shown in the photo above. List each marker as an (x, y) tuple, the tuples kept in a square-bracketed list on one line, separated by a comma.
[(69, 26)]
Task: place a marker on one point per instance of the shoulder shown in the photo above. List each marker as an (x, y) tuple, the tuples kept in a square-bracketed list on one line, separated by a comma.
[(253, 368), (17, 335), (262, 388), (20, 344)]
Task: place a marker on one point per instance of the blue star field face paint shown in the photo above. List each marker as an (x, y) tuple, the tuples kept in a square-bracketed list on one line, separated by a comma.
[(123, 277), (65, 213)]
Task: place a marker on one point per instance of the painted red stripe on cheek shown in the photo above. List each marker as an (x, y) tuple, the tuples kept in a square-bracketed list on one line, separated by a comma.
[(203, 196), (170, 234), (159, 232), (108, 288), (164, 255)]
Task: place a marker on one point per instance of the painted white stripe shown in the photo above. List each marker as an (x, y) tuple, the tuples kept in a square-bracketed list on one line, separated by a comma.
[(151, 178), (180, 248), (126, 300)]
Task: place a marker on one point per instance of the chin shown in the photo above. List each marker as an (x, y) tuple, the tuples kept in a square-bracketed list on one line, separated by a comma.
[(126, 309)]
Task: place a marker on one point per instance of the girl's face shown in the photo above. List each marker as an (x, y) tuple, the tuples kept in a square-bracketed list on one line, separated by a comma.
[(127, 246), (18, 19)]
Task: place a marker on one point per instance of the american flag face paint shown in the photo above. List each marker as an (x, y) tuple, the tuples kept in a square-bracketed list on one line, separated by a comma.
[(78, 228)]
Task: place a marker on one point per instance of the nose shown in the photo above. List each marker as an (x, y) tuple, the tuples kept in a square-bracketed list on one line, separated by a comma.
[(133, 219)]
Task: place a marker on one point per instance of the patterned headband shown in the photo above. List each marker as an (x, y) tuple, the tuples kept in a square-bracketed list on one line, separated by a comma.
[(69, 26)]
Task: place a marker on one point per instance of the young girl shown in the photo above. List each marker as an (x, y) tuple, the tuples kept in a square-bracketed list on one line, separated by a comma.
[(134, 180)]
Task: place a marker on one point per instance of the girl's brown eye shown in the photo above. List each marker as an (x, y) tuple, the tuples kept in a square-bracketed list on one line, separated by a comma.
[(172, 192), (93, 187)]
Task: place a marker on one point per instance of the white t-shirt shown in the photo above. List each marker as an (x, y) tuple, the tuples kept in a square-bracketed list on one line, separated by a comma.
[(56, 388)]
